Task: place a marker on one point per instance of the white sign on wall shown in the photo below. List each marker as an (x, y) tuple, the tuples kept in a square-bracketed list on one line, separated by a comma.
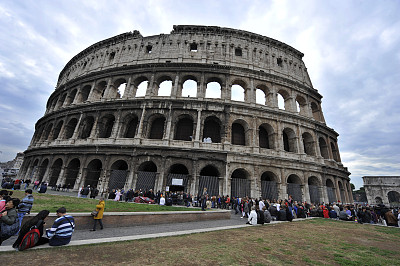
[(177, 182)]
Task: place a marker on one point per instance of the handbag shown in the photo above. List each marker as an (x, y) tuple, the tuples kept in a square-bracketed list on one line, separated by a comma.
[(94, 213), (9, 229)]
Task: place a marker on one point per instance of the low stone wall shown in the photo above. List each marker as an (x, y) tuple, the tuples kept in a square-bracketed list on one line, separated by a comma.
[(126, 219)]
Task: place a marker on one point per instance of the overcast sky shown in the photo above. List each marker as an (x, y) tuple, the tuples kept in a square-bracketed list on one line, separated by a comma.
[(351, 50)]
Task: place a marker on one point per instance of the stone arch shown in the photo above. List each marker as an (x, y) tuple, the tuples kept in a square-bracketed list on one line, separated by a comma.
[(157, 124), (70, 128), (57, 130), (342, 192), (316, 111), (335, 152), (313, 188), (239, 133), (285, 98), (394, 198), (61, 101), (212, 129), (238, 90), (164, 86), (46, 132), (119, 172), (214, 88), (55, 172), (269, 188), (209, 178), (72, 172), (99, 90), (131, 122), (330, 188), (184, 128), (240, 183), (85, 91), (105, 126), (301, 105), (289, 140), (308, 144), (323, 148), (93, 172), (294, 184), (262, 94), (120, 87), (71, 97), (86, 128), (189, 86), (266, 136), (140, 84), (378, 201), (42, 169), (178, 177), (146, 176)]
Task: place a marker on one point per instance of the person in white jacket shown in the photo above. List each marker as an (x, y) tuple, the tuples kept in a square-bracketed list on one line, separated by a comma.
[(253, 216)]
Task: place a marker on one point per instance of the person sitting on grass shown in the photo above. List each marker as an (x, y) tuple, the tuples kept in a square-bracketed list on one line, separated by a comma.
[(38, 221), (9, 223), (61, 232)]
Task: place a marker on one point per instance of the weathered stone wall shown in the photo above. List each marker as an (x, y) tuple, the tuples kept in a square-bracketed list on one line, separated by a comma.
[(377, 189), (92, 130)]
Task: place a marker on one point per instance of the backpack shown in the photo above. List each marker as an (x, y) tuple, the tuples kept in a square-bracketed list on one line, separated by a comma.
[(31, 238)]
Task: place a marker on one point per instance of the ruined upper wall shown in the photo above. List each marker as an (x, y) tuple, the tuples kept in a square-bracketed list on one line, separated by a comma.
[(190, 44)]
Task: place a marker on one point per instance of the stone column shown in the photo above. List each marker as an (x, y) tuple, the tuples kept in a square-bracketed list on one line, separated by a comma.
[(127, 92), (76, 130), (94, 128), (201, 88), (175, 89), (169, 122), (307, 192), (117, 126), (140, 128), (151, 87)]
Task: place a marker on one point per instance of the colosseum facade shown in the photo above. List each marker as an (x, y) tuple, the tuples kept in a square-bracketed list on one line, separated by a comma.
[(213, 107)]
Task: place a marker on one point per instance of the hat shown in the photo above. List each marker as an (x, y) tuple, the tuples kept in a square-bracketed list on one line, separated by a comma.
[(61, 210)]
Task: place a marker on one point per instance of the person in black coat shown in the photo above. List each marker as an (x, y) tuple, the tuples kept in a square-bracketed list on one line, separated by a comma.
[(38, 220)]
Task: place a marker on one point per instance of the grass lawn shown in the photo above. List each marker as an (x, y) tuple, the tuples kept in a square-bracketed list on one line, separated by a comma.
[(74, 204), (311, 242)]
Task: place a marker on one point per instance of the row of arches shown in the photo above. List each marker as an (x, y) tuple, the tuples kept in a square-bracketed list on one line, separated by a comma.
[(155, 126), (191, 85), (148, 174)]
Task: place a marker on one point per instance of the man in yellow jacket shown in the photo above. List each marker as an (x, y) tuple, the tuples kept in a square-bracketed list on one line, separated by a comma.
[(99, 217)]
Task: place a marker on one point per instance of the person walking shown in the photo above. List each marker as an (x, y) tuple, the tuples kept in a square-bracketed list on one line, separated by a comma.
[(99, 217), (204, 197)]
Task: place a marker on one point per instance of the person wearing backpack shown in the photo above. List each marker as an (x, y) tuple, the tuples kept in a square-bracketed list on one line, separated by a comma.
[(36, 222)]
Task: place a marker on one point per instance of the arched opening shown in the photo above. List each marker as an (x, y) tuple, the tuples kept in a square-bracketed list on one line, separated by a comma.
[(269, 189), (70, 128), (301, 105), (118, 174), (130, 128), (213, 90), (142, 88), (86, 128), (165, 88), (184, 129), (146, 176), (121, 87), (342, 195), (71, 97), (315, 111), (93, 172), (323, 148), (266, 136), (72, 172), (313, 188), (394, 199), (294, 188), (238, 134), (261, 96), (281, 102), (209, 179), (60, 102), (106, 125), (157, 128), (335, 152), (212, 129), (56, 130), (46, 133), (240, 185), (99, 90), (55, 172), (330, 188), (238, 93), (289, 140), (85, 93), (178, 178), (42, 170), (378, 201), (308, 144), (189, 88)]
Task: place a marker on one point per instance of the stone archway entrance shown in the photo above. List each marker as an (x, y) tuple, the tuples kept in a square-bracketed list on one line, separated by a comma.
[(240, 185), (146, 176), (294, 188), (209, 179), (178, 178), (119, 172), (269, 188)]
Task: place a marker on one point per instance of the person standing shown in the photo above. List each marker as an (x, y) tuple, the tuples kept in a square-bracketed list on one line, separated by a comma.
[(61, 232), (25, 206), (204, 197), (99, 217)]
